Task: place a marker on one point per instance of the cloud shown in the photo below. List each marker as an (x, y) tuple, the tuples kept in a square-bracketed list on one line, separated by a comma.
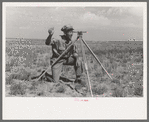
[(121, 12), (111, 11), (93, 19), (35, 21), (24, 27), (124, 16), (136, 11)]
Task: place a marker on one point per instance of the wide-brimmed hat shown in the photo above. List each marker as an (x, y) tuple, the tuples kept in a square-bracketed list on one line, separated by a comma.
[(66, 28)]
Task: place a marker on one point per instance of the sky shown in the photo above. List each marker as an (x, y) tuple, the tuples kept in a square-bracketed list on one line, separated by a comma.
[(101, 23)]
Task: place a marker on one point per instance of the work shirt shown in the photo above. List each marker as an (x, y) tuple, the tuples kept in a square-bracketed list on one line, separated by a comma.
[(60, 45)]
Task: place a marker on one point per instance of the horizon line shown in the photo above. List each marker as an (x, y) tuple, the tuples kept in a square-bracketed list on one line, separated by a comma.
[(87, 40)]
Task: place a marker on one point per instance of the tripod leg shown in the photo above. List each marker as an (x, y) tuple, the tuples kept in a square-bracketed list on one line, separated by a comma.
[(96, 58), (86, 68)]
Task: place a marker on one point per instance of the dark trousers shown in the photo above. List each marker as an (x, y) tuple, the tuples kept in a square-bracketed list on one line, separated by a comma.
[(57, 68)]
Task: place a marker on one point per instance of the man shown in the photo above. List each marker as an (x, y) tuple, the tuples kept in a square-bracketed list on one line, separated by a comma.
[(70, 58)]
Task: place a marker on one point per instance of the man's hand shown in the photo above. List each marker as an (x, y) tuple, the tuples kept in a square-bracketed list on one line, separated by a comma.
[(79, 36), (57, 54), (75, 55), (51, 31)]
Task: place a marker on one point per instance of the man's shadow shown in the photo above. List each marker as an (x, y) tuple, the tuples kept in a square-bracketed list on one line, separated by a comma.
[(48, 77)]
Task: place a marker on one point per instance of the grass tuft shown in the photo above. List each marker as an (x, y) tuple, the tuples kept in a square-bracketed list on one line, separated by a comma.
[(118, 92), (138, 91), (60, 89), (17, 89), (9, 80), (100, 89)]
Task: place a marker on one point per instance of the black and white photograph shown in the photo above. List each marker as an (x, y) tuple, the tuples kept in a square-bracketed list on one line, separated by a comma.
[(83, 52)]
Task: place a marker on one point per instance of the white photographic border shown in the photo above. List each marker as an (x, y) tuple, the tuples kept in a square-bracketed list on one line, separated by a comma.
[(35, 108)]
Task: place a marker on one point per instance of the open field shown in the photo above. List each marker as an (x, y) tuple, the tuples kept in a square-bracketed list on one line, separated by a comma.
[(123, 61)]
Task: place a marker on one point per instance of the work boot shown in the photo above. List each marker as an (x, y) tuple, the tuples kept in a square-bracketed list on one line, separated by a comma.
[(78, 80)]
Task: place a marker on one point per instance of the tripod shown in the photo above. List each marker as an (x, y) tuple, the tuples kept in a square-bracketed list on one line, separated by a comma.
[(80, 34)]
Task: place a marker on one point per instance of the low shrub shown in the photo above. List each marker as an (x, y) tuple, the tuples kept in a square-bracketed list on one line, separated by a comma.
[(8, 68), (23, 74), (117, 81), (100, 89), (16, 89), (60, 89), (120, 56), (124, 60), (138, 59), (9, 80), (33, 85), (138, 91), (78, 86), (119, 92), (41, 93)]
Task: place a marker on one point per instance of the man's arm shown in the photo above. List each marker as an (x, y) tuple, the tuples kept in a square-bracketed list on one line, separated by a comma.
[(75, 51), (55, 51), (51, 32), (48, 40)]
